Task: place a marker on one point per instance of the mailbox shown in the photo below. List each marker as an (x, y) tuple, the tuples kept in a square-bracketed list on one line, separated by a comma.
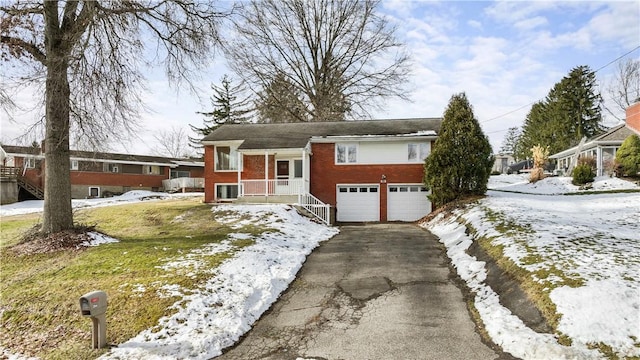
[(93, 303)]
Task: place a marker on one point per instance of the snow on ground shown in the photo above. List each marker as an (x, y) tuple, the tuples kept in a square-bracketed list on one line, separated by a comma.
[(34, 206), (240, 290), (588, 244), (555, 185)]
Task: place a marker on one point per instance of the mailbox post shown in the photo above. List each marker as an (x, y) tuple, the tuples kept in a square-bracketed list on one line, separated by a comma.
[(94, 305)]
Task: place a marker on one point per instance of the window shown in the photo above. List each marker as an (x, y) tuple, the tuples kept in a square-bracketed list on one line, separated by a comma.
[(346, 153), (152, 170), (111, 168), (94, 192), (30, 162), (74, 165), (417, 152), (179, 174), (226, 192), (226, 158), (297, 169)]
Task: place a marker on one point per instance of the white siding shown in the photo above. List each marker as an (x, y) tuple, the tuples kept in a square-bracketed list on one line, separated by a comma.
[(382, 152)]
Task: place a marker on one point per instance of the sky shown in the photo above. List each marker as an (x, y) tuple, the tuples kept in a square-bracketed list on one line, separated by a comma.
[(504, 55)]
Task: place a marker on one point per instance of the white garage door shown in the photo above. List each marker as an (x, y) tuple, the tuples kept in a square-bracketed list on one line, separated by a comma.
[(358, 203), (407, 202)]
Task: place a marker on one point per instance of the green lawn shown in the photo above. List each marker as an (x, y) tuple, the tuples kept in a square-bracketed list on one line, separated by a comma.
[(39, 307)]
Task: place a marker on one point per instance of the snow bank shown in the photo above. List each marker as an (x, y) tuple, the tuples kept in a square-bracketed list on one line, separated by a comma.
[(35, 206), (555, 185), (504, 328), (242, 288)]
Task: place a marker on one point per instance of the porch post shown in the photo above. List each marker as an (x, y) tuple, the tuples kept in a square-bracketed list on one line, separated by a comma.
[(305, 186), (599, 164), (266, 173), (240, 187)]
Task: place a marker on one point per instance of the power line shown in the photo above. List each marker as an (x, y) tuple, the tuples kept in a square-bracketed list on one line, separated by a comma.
[(533, 102)]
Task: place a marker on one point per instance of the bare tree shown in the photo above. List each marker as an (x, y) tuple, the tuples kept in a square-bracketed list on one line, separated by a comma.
[(90, 56), (172, 143), (340, 54), (625, 87)]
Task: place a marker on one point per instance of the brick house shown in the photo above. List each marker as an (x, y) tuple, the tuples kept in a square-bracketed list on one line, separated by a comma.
[(100, 174), (602, 147), (364, 170)]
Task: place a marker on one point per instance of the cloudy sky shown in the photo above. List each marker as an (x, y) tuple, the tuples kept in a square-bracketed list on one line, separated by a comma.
[(504, 55)]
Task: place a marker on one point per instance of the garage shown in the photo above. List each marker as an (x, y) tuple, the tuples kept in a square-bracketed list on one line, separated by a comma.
[(358, 203), (407, 202)]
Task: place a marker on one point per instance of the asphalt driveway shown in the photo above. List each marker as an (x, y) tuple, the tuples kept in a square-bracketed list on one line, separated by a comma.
[(381, 291)]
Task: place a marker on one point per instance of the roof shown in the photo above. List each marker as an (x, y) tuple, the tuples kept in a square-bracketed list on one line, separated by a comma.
[(104, 156), (613, 136), (297, 135)]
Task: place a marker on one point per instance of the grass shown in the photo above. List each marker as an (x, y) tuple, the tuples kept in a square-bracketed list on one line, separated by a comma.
[(39, 310), (537, 291)]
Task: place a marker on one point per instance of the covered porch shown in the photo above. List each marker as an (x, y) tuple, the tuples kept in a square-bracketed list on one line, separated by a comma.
[(284, 172)]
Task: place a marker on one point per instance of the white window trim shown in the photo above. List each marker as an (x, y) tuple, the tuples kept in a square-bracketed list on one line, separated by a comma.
[(94, 187), (75, 165), (226, 184), (148, 170), (419, 156), (346, 154), (30, 162), (235, 152)]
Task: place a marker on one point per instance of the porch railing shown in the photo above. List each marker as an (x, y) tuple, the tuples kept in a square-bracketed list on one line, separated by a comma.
[(271, 187), (183, 183), (316, 207)]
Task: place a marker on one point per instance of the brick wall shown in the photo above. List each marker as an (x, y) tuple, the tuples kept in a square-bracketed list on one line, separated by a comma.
[(252, 169), (633, 117), (325, 175)]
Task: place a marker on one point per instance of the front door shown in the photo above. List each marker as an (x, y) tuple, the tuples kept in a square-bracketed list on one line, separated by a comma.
[(282, 177)]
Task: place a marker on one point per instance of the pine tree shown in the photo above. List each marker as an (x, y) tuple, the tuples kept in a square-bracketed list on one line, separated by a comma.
[(461, 160), (571, 110), (280, 102), (230, 106), (510, 142), (628, 156)]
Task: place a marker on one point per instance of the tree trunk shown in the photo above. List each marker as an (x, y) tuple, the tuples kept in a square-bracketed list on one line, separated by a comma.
[(57, 214)]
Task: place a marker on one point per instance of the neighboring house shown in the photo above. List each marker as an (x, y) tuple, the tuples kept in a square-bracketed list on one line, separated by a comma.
[(502, 162), (365, 170), (99, 174), (602, 147)]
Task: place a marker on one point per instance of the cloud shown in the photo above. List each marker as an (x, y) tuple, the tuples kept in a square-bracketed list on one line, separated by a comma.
[(475, 24), (531, 23)]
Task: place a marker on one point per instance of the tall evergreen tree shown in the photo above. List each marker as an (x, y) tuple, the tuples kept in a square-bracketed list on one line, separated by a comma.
[(510, 142), (230, 105), (281, 102), (571, 110), (461, 160)]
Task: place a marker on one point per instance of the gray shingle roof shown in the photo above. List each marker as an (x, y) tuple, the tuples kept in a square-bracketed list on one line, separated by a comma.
[(297, 135), (98, 156), (616, 133)]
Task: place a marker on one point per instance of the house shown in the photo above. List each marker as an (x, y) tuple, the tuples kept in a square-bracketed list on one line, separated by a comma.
[(603, 147), (501, 163), (101, 174), (364, 170)]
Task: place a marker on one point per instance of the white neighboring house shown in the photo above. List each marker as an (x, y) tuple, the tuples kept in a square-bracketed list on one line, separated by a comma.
[(502, 162), (602, 147)]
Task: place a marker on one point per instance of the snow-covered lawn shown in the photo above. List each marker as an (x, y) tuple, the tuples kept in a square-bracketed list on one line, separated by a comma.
[(215, 316), (590, 244)]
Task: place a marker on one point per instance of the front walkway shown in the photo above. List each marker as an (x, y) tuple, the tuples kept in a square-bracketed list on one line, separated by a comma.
[(378, 291)]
